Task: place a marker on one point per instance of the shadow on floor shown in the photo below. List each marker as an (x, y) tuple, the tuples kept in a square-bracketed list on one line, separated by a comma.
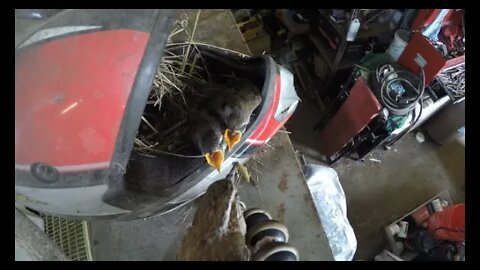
[(452, 156), (303, 136)]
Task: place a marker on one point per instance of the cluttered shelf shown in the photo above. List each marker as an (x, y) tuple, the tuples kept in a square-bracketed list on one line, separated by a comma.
[(367, 29), (328, 54)]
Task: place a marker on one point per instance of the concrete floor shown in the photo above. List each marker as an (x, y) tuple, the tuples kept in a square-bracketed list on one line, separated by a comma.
[(281, 191), (377, 194)]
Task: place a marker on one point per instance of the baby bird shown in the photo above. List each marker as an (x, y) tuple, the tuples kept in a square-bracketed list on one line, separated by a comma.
[(206, 134), (233, 106)]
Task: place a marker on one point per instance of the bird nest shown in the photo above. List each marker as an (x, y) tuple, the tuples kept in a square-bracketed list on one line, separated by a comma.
[(182, 70)]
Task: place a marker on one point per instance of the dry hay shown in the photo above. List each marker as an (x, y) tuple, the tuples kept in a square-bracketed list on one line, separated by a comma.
[(162, 129)]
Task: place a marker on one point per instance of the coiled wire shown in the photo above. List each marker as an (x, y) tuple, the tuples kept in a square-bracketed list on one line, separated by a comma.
[(400, 104), (382, 79)]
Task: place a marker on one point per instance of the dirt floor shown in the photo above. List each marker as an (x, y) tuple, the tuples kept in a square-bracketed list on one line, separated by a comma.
[(387, 184)]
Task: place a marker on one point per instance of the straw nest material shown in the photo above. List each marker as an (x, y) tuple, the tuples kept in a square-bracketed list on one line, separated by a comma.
[(163, 126)]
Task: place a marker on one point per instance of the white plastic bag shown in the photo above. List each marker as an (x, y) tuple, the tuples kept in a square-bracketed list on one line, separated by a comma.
[(331, 205)]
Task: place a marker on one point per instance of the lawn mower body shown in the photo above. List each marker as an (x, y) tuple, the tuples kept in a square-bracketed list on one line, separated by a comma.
[(82, 79)]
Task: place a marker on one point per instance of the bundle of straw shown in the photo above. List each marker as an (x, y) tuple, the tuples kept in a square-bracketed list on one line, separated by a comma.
[(171, 93)]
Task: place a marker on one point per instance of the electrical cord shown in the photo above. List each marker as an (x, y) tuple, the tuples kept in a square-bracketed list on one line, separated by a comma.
[(383, 78), (386, 75)]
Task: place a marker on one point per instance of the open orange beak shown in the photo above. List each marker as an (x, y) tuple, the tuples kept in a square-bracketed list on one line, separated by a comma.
[(215, 159), (232, 139)]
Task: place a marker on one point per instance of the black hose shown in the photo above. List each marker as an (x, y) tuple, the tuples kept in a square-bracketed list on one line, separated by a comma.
[(382, 83), (386, 75)]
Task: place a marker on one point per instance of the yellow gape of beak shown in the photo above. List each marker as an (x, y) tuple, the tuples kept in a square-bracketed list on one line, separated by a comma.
[(215, 159), (231, 139)]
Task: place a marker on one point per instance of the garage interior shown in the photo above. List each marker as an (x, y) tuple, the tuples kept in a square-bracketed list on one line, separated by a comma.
[(390, 171)]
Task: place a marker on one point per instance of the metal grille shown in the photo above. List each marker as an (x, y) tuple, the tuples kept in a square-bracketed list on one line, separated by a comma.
[(72, 236)]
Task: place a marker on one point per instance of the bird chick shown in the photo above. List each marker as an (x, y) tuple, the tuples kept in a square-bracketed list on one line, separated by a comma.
[(207, 136), (234, 107), (218, 229)]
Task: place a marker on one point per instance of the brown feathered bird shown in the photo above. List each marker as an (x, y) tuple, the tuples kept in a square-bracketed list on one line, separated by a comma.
[(233, 106), (224, 111), (206, 134), (218, 228)]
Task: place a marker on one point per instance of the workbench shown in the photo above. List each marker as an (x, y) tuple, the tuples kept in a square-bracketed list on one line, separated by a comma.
[(281, 188)]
